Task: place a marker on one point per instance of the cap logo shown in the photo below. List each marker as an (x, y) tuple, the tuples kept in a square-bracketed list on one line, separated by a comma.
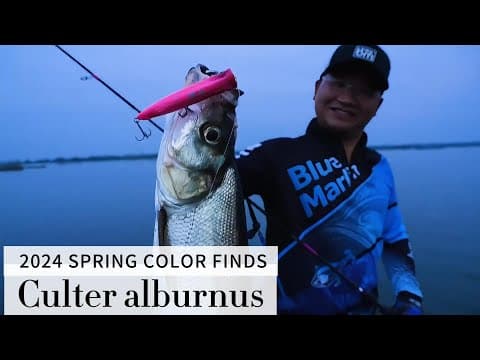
[(365, 53)]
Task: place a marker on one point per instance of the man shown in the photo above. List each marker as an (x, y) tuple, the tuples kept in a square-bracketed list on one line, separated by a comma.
[(330, 200)]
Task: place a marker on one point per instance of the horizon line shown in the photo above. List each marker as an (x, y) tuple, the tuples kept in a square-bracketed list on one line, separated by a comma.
[(417, 146)]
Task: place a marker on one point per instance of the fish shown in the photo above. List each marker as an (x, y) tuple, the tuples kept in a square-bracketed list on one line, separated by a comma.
[(198, 194)]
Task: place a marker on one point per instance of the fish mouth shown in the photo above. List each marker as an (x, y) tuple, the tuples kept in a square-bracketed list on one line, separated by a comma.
[(170, 158), (170, 161), (182, 185)]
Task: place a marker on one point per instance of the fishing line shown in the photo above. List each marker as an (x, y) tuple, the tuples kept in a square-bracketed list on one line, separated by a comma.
[(145, 135)]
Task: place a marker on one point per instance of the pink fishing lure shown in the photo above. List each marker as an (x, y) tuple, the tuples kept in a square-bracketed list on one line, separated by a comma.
[(191, 94)]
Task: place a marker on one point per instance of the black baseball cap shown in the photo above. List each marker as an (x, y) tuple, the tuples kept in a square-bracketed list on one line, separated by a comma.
[(370, 57)]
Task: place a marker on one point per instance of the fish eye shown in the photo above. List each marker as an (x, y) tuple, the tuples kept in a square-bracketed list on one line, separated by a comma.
[(212, 134)]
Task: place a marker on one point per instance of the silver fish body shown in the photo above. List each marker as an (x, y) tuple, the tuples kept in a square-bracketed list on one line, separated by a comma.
[(198, 194)]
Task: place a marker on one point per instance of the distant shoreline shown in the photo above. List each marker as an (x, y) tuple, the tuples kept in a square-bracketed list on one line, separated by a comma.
[(35, 164)]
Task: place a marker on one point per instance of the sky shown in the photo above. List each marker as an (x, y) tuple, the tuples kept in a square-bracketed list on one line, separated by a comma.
[(48, 111)]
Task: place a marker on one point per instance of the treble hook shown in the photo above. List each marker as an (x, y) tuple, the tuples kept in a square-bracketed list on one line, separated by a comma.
[(145, 135)]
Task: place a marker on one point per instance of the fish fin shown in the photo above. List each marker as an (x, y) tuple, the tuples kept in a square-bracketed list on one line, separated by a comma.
[(161, 227)]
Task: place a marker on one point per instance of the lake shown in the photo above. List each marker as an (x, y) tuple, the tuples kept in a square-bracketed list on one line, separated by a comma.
[(111, 203)]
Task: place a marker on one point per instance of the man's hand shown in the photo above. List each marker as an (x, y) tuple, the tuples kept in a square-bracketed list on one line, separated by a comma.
[(407, 304)]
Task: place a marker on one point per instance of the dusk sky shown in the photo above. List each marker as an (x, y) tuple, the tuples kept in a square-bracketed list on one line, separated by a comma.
[(49, 112)]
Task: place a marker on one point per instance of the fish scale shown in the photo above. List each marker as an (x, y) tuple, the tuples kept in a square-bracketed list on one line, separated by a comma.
[(217, 220)]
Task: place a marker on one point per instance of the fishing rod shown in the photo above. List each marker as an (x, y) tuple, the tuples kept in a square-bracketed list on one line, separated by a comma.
[(356, 287), (145, 135)]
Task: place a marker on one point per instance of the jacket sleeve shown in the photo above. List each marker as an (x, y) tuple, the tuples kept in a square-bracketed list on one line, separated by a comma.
[(253, 167), (397, 253)]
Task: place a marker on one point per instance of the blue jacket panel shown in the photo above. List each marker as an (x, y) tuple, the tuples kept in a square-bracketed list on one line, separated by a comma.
[(322, 211)]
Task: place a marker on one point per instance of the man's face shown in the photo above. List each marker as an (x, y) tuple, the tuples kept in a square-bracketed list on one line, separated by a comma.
[(345, 102)]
